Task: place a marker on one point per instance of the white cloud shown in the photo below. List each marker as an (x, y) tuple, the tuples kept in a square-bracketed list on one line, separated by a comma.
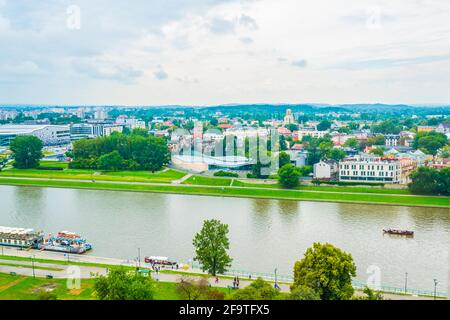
[(233, 51)]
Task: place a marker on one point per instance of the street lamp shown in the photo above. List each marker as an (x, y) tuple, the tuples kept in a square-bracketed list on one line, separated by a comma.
[(139, 256), (406, 282), (435, 285), (276, 284), (32, 265)]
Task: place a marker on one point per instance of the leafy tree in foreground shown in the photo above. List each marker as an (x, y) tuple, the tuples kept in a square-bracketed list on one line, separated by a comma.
[(289, 176), (27, 151), (192, 289), (121, 284), (211, 245), (303, 293), (326, 269), (258, 290)]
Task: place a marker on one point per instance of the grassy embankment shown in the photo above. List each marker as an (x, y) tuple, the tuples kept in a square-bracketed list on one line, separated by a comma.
[(200, 185), (27, 288), (72, 174)]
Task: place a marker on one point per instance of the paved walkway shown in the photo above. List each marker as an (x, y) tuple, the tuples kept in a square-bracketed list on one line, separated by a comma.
[(180, 181), (87, 272)]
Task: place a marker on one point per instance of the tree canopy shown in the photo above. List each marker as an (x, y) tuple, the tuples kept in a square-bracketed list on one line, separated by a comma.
[(120, 151), (289, 176), (257, 290), (122, 284), (430, 142), (430, 181), (211, 245), (327, 270), (27, 151)]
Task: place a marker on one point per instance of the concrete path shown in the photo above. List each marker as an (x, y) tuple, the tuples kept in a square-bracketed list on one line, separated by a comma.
[(87, 272), (180, 181)]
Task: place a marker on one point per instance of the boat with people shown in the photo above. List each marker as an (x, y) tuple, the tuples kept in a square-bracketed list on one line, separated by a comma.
[(163, 261), (65, 241), (399, 232)]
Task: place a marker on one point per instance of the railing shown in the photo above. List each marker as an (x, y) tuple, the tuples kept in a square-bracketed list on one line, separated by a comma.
[(356, 283)]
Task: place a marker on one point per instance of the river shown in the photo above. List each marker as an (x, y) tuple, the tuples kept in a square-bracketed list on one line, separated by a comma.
[(264, 234)]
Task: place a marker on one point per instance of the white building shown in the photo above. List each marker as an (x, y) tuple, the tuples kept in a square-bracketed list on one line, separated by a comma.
[(392, 140), (370, 168), (49, 134), (444, 128), (327, 170)]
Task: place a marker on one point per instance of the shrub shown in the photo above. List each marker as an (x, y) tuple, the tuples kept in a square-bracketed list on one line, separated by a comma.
[(226, 174), (51, 168)]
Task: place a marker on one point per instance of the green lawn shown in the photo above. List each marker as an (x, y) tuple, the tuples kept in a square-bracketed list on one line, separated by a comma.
[(208, 181), (245, 192), (379, 190), (19, 265), (27, 288), (125, 176)]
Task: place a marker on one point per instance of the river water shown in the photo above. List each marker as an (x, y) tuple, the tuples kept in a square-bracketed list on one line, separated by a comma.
[(264, 234)]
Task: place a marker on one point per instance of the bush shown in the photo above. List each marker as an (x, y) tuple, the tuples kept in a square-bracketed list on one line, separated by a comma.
[(226, 174), (289, 176), (51, 168)]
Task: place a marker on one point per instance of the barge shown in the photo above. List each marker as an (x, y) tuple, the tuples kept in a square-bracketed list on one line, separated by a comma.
[(20, 237)]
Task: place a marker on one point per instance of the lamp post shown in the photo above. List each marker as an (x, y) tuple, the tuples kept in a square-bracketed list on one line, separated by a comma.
[(276, 282), (32, 265), (406, 282), (139, 257), (435, 285)]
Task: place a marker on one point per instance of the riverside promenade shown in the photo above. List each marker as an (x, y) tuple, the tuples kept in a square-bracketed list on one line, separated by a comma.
[(63, 271)]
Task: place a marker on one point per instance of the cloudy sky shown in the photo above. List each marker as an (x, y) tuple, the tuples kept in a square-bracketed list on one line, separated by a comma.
[(203, 52)]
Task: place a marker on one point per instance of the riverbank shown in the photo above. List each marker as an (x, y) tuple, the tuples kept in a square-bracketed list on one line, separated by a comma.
[(357, 197), (89, 265)]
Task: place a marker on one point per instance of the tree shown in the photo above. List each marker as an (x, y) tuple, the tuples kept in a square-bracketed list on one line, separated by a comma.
[(197, 289), (303, 293), (387, 127), (377, 151), (46, 295), (305, 170), (122, 284), (371, 294), (292, 127), (112, 161), (430, 181), (257, 290), (326, 269), (211, 245), (351, 143), (283, 159), (430, 142), (335, 154), (324, 125), (27, 151), (289, 176)]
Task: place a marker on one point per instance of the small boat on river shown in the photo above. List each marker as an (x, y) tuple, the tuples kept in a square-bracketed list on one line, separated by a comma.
[(399, 232), (164, 261)]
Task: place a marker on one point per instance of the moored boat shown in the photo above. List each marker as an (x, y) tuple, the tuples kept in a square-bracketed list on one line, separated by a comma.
[(159, 261), (67, 242), (20, 237), (399, 232)]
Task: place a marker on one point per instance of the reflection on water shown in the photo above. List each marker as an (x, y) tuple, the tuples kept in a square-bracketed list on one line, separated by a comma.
[(264, 234)]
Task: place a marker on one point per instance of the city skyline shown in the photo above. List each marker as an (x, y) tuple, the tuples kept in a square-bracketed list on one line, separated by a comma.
[(223, 52)]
